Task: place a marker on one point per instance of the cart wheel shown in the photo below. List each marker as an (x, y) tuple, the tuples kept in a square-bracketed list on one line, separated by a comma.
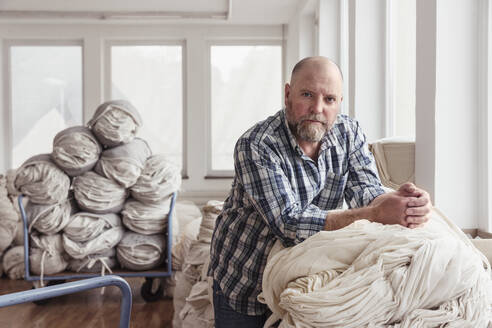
[(48, 283), (146, 291)]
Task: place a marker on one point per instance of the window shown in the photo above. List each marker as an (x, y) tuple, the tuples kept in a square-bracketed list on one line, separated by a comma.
[(45, 95), (246, 87), (150, 76)]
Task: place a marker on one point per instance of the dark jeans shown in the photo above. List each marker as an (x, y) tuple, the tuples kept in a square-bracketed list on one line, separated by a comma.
[(226, 317)]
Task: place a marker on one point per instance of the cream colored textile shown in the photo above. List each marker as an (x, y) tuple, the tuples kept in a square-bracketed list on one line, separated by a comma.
[(115, 122), (395, 160), (42, 181), (97, 194), (19, 235), (46, 254), (373, 275), (76, 150), (210, 213), (84, 226), (108, 239), (49, 219), (13, 262), (8, 217), (140, 252), (160, 178), (148, 219), (124, 163), (94, 263)]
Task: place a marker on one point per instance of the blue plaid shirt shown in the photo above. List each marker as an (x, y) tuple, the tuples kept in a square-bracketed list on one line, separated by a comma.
[(280, 193)]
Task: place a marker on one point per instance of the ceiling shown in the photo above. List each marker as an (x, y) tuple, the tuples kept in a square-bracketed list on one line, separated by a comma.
[(269, 12)]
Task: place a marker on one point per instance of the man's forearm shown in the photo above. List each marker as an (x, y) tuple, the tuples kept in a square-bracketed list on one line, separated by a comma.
[(339, 219)]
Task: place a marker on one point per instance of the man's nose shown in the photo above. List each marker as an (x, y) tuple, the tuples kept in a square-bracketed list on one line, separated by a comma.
[(318, 105)]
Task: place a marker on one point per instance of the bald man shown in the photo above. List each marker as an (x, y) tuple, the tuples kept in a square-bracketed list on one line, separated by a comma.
[(292, 173)]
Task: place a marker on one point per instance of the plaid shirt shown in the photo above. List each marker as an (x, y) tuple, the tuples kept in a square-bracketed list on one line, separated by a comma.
[(280, 193)]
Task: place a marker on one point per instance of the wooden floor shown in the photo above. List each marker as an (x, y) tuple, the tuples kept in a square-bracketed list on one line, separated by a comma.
[(84, 309)]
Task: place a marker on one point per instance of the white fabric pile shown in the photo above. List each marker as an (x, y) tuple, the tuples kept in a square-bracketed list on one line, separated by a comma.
[(372, 275), (192, 301), (115, 122), (42, 181), (49, 219), (46, 254), (8, 218), (140, 252), (13, 262), (160, 178), (124, 163), (76, 150), (97, 194), (100, 262)]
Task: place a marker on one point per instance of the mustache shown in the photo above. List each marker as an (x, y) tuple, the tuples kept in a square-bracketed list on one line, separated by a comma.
[(318, 118)]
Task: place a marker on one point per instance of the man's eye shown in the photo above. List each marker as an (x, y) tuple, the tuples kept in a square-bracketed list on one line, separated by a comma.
[(330, 99), (307, 94)]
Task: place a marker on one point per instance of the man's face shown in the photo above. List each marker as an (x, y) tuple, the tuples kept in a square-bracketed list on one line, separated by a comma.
[(313, 100)]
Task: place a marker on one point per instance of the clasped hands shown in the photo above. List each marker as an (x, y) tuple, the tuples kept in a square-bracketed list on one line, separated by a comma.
[(409, 206)]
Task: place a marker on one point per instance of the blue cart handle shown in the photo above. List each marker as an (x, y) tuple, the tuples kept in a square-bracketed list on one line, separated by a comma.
[(75, 287)]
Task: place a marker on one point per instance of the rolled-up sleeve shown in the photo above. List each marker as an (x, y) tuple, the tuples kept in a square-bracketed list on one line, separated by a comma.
[(363, 183), (272, 195)]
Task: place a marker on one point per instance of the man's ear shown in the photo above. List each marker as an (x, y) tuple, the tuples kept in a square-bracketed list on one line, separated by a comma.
[(287, 93)]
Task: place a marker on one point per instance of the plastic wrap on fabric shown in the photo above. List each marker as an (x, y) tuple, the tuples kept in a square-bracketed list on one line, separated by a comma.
[(76, 150), (97, 194), (148, 219), (49, 219), (160, 178), (13, 262), (124, 163), (103, 242), (139, 252), (42, 181), (115, 122), (85, 226)]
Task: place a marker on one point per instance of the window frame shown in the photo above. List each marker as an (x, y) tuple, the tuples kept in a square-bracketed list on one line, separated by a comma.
[(228, 174), (7, 60), (109, 43)]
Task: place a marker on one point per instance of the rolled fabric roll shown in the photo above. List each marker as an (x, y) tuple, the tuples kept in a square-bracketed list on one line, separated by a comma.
[(95, 262), (76, 150), (210, 213), (97, 194), (46, 254), (106, 240), (160, 178), (115, 122), (146, 219), (42, 181), (139, 252), (85, 226), (13, 262), (8, 217), (124, 163), (49, 219)]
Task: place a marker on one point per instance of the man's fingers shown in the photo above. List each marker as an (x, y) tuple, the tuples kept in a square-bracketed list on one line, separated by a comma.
[(416, 220), (417, 211), (417, 201), (413, 226)]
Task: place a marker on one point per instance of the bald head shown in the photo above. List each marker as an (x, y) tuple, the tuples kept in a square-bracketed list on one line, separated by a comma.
[(315, 63)]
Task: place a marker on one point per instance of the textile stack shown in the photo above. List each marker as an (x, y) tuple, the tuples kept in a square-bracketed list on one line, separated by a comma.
[(193, 294), (80, 213)]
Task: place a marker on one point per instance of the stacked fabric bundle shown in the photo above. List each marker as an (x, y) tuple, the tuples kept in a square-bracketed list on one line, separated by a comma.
[(373, 275), (194, 299), (103, 163)]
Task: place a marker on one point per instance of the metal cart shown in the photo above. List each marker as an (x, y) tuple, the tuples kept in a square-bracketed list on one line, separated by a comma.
[(39, 294), (146, 290)]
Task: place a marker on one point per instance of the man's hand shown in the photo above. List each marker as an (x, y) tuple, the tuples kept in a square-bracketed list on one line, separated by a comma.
[(419, 205), (390, 208)]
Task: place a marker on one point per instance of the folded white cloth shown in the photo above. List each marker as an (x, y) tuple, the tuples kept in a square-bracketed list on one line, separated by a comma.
[(93, 263), (13, 262), (49, 219), (85, 226), (140, 252), (108, 239), (46, 254), (373, 275), (8, 217), (148, 219)]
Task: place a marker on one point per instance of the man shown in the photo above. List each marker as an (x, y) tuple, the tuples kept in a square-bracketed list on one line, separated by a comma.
[(292, 172)]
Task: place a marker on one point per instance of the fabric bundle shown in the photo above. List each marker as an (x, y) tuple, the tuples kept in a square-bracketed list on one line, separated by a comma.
[(42, 181), (106, 240), (210, 213), (160, 178), (84, 226), (373, 275), (99, 262), (115, 122), (138, 252), (49, 219), (148, 219), (46, 254), (8, 217), (75, 150), (124, 163), (98, 194), (13, 262)]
